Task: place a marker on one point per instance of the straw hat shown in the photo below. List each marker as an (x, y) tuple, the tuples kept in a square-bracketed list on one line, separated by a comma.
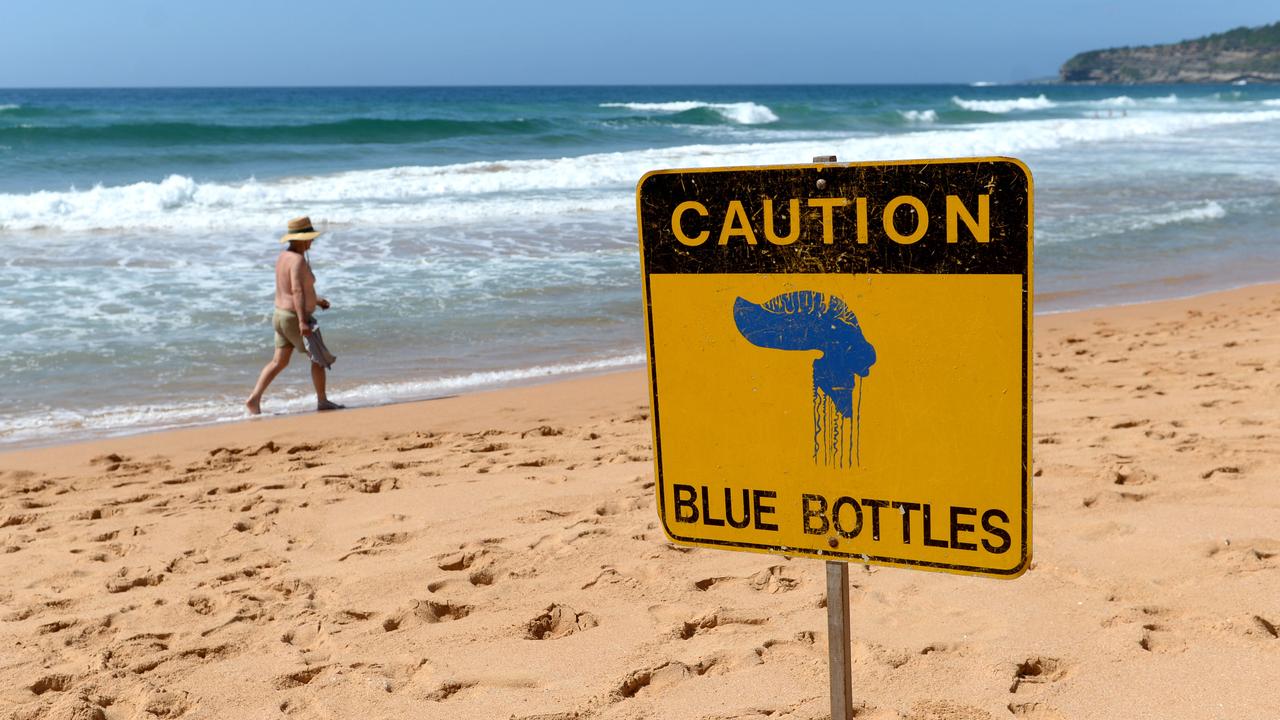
[(300, 229)]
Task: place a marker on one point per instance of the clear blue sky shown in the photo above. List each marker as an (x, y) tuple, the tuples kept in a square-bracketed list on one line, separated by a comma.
[(92, 43)]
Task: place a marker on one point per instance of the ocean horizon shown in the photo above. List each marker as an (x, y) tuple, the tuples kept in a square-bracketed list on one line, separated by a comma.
[(483, 236)]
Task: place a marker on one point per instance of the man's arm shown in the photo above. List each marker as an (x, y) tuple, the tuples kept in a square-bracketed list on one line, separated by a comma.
[(299, 296)]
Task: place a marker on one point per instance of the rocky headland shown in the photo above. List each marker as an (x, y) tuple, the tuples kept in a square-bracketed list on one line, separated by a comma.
[(1242, 54)]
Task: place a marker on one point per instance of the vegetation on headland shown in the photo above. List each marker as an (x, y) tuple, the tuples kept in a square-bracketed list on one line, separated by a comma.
[(1242, 54)]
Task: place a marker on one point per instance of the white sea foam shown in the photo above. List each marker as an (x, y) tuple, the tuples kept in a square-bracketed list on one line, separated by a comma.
[(1005, 106), (1211, 210), (983, 83), (587, 186), (743, 113), (134, 418), (919, 116), (1128, 221), (1272, 103), (1124, 101), (3, 108)]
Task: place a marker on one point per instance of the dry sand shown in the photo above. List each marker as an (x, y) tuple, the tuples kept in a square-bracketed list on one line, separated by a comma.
[(498, 555)]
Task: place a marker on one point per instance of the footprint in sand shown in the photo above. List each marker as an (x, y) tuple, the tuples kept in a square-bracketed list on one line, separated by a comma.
[(543, 431), (299, 678), (129, 578), (120, 465), (482, 564), (1128, 475), (1037, 670), (345, 482), (58, 682), (56, 626), (201, 604), (558, 621), (426, 611), (707, 583), (376, 544), (773, 580), (415, 441), (188, 659), (660, 678), (137, 650), (1157, 638), (37, 609), (706, 623), (488, 447), (458, 560), (447, 690)]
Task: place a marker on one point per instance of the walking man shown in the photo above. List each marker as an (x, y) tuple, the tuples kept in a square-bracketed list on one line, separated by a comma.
[(296, 303)]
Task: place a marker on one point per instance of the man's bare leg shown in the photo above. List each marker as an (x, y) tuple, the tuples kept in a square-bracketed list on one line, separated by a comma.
[(318, 379), (278, 362)]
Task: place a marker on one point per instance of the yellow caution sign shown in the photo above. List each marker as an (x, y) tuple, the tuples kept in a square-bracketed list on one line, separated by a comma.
[(839, 360)]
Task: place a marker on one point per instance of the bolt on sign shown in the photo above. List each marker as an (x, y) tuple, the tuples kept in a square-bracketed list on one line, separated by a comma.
[(839, 360)]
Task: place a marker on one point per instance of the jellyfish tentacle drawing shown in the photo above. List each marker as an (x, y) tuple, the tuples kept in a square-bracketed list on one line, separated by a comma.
[(811, 320)]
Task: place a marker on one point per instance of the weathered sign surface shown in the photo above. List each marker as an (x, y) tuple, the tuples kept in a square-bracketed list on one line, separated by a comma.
[(839, 360)]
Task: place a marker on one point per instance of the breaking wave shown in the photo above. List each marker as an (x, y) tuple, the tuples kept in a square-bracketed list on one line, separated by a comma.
[(1005, 106), (742, 113), (919, 116), (1209, 211)]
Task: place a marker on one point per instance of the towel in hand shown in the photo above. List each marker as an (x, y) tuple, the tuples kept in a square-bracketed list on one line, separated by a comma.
[(320, 354)]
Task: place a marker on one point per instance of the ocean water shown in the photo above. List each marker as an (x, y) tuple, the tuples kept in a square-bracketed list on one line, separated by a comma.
[(478, 237)]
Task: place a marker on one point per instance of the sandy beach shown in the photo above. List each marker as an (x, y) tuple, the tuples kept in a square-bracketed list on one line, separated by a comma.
[(498, 555)]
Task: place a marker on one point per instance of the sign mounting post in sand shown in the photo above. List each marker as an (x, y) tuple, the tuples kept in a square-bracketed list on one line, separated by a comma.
[(839, 359)]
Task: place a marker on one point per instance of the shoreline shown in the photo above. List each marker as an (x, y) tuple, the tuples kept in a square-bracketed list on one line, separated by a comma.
[(537, 379), (468, 410)]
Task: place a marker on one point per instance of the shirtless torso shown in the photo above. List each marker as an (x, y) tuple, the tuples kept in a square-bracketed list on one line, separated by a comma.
[(295, 284)]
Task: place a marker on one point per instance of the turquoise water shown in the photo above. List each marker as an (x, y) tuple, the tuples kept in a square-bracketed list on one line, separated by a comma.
[(484, 236)]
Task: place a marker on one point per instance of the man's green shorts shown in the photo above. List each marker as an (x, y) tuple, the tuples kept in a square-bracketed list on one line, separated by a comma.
[(287, 332)]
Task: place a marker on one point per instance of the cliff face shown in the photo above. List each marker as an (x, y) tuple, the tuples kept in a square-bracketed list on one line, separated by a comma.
[(1251, 54)]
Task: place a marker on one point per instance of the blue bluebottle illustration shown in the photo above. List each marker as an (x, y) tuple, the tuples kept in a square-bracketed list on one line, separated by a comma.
[(810, 320)]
